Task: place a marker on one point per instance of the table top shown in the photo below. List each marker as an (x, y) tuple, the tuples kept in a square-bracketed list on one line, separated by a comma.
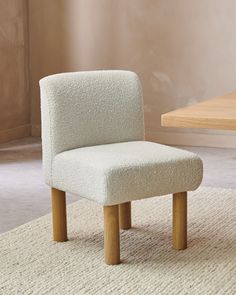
[(216, 113)]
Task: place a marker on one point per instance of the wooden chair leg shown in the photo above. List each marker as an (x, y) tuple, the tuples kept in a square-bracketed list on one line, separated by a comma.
[(180, 221), (59, 215), (111, 235), (125, 215)]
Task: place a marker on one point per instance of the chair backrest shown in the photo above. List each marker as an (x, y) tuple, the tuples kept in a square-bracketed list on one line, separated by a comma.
[(89, 108)]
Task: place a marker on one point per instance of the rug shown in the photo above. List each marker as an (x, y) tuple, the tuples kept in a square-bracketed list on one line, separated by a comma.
[(31, 263)]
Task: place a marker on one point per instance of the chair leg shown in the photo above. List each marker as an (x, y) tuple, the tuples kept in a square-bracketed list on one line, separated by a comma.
[(111, 235), (59, 215), (125, 215), (180, 221)]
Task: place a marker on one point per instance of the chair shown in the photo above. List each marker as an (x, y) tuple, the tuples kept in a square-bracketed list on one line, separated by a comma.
[(93, 146)]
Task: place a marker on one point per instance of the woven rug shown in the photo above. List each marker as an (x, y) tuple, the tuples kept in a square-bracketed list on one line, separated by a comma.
[(30, 263)]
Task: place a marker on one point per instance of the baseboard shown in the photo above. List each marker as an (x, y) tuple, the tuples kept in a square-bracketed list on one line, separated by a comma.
[(171, 138), (35, 130), (15, 133), (192, 139)]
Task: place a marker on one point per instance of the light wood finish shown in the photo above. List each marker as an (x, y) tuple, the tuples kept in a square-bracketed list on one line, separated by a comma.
[(59, 215), (125, 215), (216, 113), (180, 221), (111, 235)]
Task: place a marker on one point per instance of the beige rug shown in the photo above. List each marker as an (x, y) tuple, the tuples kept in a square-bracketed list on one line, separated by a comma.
[(30, 263)]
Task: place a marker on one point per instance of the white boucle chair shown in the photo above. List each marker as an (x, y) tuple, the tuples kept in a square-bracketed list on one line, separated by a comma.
[(93, 146)]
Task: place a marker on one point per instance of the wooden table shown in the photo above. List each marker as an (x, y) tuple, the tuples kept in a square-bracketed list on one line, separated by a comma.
[(216, 113)]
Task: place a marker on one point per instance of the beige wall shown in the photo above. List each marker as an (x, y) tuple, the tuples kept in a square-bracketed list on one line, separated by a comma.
[(67, 35), (183, 51), (14, 98)]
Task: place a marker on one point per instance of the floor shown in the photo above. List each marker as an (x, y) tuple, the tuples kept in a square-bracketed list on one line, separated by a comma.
[(24, 196)]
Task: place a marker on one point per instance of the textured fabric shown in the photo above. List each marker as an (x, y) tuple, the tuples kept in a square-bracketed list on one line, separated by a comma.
[(89, 108), (92, 132), (32, 264), (116, 173)]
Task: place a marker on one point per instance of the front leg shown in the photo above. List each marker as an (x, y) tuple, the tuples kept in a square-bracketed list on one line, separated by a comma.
[(180, 221), (111, 234), (59, 215)]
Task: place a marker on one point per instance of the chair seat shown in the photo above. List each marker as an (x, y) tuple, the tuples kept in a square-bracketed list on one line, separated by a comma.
[(116, 173)]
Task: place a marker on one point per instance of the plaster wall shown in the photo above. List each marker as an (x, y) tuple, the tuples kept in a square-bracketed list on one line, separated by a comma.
[(14, 96)]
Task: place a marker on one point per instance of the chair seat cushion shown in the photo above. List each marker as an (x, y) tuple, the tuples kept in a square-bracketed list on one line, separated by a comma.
[(121, 172)]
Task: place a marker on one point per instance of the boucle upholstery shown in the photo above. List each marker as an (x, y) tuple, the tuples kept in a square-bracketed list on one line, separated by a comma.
[(115, 173), (89, 108), (93, 131)]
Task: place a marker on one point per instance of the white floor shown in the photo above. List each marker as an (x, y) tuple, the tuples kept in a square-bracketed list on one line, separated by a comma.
[(24, 196)]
